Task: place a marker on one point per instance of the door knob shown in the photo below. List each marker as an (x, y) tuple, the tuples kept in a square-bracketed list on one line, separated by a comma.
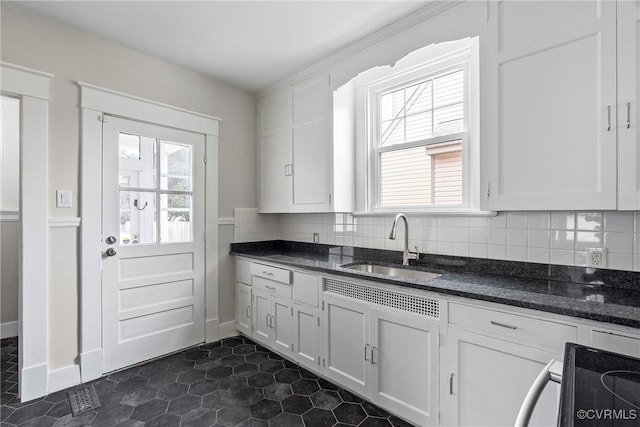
[(110, 252), (111, 240)]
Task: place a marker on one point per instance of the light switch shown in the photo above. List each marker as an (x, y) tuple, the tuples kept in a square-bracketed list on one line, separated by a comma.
[(63, 198)]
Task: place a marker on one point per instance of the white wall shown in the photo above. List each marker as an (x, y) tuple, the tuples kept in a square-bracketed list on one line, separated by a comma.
[(36, 41)]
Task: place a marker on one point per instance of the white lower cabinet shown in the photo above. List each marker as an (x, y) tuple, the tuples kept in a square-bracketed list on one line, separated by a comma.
[(405, 365), (488, 378), (385, 355), (243, 308), (306, 337), (272, 324), (346, 349)]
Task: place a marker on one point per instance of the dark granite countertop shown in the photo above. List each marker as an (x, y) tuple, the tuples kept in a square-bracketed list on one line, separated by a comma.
[(597, 294)]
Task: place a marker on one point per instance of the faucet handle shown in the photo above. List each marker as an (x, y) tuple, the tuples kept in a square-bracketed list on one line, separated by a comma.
[(416, 253)]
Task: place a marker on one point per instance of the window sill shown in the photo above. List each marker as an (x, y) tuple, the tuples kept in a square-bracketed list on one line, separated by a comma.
[(433, 212)]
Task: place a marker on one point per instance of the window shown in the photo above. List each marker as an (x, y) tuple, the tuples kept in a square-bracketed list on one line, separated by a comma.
[(420, 148)]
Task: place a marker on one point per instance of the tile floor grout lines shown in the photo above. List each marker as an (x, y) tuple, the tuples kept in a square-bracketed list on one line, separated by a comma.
[(232, 382)]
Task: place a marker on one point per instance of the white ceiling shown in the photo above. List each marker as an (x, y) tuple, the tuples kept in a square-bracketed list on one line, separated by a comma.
[(250, 44)]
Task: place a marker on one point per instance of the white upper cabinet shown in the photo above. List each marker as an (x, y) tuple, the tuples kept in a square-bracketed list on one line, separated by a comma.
[(306, 162), (274, 151), (548, 106), (311, 102), (629, 104)]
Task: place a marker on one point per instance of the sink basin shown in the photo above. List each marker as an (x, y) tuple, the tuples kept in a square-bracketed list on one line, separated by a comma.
[(392, 271)]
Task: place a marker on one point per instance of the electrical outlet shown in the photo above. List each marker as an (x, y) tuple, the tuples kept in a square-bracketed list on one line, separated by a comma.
[(596, 257)]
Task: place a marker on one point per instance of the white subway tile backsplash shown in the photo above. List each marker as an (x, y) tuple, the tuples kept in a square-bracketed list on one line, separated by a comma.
[(516, 253), (540, 255), (563, 239), (588, 239), (478, 235), (617, 261), (460, 249), (496, 251), (538, 220), (517, 237), (562, 256), (590, 221), (516, 220), (563, 220), (477, 250), (541, 236), (538, 238), (618, 221), (619, 242), (461, 234), (497, 236)]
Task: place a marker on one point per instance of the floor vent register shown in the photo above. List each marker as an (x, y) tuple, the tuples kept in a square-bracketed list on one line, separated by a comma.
[(83, 399)]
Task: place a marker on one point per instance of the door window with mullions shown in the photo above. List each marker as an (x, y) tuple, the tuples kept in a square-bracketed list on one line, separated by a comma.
[(155, 190)]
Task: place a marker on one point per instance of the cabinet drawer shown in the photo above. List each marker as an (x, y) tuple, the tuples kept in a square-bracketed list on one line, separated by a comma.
[(512, 325), (272, 273), (306, 288), (274, 288)]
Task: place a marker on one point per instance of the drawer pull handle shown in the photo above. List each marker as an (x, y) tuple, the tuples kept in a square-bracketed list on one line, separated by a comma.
[(503, 325), (366, 351), (451, 384), (248, 311), (266, 273), (608, 118), (628, 115), (374, 348)]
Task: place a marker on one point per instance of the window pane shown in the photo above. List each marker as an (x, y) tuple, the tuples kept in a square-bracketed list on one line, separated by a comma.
[(421, 98), (448, 89), (175, 218), (175, 166), (428, 175), (448, 120), (137, 163), (392, 132), (419, 127), (137, 217)]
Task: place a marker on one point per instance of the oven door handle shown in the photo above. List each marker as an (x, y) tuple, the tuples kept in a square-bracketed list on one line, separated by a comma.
[(551, 372)]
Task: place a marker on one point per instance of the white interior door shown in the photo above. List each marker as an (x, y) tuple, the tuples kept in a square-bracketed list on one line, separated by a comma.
[(153, 220)]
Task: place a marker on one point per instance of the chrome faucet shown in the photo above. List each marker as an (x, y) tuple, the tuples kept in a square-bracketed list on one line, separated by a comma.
[(406, 255)]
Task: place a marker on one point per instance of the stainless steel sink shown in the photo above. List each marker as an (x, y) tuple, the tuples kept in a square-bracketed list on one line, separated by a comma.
[(392, 271)]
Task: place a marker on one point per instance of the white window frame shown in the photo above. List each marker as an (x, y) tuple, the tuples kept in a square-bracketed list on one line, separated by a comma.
[(462, 55)]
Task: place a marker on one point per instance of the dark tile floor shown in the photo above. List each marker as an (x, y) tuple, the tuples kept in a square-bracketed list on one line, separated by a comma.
[(233, 382)]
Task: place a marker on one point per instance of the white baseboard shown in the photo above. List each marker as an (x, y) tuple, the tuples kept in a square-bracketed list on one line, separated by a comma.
[(228, 329), (9, 329), (62, 378), (33, 382), (91, 365), (212, 330)]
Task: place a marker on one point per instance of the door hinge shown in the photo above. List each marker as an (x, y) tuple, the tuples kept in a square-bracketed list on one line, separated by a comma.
[(488, 190), (205, 157)]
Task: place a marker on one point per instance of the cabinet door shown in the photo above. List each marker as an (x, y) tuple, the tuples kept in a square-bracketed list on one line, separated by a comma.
[(282, 324), (274, 151), (345, 346), (243, 308), (311, 145), (306, 335), (489, 379), (405, 365), (261, 317), (549, 106), (629, 104)]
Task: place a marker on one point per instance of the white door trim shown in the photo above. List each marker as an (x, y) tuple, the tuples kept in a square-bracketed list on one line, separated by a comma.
[(32, 87), (94, 102)]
